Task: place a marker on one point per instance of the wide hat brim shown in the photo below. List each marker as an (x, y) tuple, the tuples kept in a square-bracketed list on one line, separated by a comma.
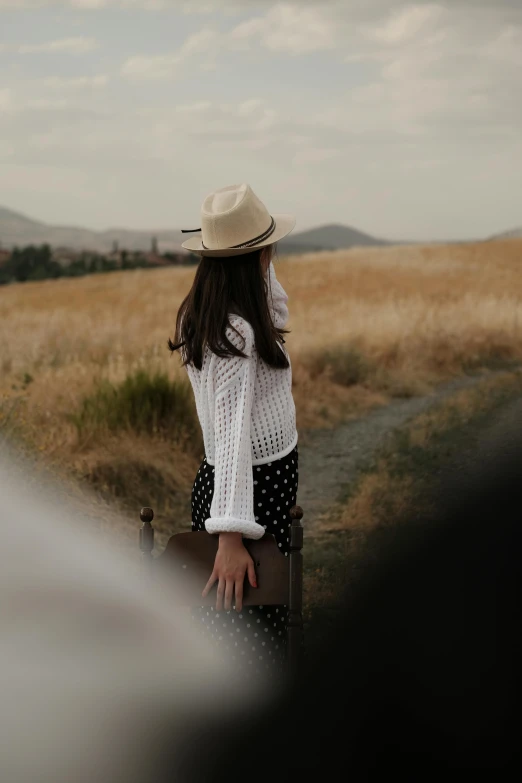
[(284, 224)]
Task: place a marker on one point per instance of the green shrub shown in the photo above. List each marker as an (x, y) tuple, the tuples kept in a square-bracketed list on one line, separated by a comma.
[(345, 365), (143, 403)]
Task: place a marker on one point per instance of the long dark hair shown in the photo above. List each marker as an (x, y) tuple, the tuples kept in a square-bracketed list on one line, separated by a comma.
[(231, 284)]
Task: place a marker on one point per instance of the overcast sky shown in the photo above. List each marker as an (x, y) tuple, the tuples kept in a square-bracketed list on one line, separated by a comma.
[(403, 120)]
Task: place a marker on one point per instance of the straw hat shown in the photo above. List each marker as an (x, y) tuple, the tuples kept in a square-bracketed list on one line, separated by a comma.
[(234, 221)]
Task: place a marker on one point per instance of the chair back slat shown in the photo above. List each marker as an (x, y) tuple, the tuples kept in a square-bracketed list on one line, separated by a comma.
[(185, 566), (194, 554), (295, 603)]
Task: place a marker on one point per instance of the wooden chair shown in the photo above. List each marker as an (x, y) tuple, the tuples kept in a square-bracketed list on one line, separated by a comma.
[(190, 558)]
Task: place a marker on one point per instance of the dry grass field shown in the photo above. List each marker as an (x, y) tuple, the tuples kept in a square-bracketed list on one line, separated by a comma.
[(88, 381)]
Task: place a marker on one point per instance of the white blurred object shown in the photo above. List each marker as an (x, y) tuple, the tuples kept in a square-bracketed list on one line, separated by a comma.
[(92, 661)]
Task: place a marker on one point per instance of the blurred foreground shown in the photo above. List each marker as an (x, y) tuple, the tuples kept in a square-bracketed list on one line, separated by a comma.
[(98, 670), (421, 675)]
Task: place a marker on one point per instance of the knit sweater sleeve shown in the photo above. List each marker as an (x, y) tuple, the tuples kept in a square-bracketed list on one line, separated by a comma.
[(232, 508), (277, 298)]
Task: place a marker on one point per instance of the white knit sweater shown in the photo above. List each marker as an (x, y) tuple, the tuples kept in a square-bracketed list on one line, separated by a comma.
[(247, 416)]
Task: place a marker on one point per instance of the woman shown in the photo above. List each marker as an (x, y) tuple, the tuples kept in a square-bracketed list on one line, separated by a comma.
[(231, 327)]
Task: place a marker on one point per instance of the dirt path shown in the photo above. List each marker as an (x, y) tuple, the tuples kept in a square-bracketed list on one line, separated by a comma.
[(329, 459)]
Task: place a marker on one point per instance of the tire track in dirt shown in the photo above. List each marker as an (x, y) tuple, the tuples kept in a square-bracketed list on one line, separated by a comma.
[(330, 459)]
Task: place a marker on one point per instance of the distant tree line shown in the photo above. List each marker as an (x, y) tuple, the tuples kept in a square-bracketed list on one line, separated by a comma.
[(38, 262)]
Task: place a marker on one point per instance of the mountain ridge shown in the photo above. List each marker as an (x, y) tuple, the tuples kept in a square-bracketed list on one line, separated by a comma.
[(514, 233), (19, 229), (333, 236)]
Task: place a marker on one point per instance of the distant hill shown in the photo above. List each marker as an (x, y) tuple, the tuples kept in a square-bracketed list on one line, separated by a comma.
[(17, 229), (330, 237), (515, 233)]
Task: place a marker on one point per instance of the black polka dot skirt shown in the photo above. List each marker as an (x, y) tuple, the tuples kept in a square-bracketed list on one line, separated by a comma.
[(255, 638)]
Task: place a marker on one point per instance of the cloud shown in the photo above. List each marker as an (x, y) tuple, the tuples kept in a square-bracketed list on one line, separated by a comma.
[(290, 28), (6, 100), (151, 67), (305, 155), (46, 104), (356, 9), (286, 27), (252, 115), (166, 66), (201, 107), (78, 45), (91, 3), (202, 7), (48, 180), (406, 23), (252, 125), (193, 7), (246, 118), (506, 47), (211, 6), (434, 69), (85, 4), (364, 33), (80, 82)]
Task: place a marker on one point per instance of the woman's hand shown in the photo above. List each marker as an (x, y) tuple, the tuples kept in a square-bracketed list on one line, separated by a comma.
[(231, 563)]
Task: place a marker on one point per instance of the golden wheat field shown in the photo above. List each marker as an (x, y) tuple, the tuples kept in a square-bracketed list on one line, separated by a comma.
[(366, 324)]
